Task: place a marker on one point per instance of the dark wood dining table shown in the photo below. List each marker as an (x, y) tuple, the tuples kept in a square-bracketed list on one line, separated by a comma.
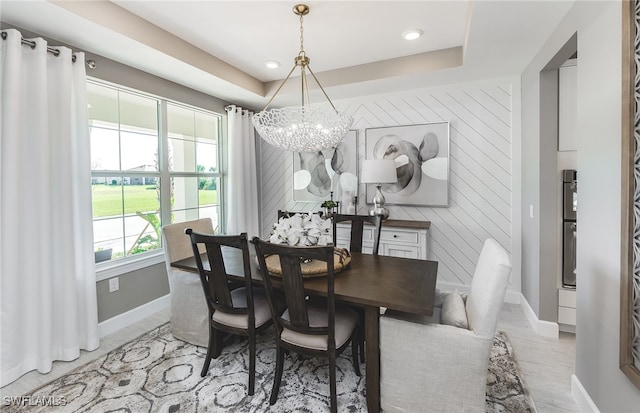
[(370, 281)]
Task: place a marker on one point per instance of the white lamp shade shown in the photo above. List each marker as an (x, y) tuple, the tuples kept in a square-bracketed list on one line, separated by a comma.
[(378, 171)]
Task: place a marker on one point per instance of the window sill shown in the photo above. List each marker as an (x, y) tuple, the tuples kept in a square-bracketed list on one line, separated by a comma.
[(115, 268)]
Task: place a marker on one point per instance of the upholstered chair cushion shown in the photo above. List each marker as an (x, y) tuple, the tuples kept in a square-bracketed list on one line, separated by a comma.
[(239, 300), (346, 320), (453, 311), (176, 243), (431, 367), (189, 312), (488, 288)]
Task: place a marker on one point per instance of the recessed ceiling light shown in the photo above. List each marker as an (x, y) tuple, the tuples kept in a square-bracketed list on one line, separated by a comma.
[(272, 64), (412, 34)]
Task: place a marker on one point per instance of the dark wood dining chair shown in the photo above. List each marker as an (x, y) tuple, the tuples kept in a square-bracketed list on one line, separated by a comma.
[(307, 326), (287, 214), (241, 311), (357, 230), (355, 245)]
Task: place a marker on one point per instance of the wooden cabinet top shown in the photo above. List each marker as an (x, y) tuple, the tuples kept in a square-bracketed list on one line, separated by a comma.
[(402, 223)]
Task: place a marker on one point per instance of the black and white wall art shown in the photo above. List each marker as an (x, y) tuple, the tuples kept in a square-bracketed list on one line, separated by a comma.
[(421, 153), (317, 174)]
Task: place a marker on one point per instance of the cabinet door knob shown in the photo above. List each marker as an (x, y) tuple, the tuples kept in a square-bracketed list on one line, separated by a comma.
[(395, 236)]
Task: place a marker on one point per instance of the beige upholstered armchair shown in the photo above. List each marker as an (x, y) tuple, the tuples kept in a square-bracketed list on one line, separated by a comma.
[(189, 311), (439, 364)]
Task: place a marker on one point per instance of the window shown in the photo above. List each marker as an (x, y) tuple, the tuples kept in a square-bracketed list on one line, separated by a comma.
[(144, 177)]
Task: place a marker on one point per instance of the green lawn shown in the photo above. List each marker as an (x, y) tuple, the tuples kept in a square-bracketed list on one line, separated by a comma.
[(107, 199)]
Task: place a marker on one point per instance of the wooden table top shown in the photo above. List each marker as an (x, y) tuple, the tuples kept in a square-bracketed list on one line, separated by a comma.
[(401, 284)]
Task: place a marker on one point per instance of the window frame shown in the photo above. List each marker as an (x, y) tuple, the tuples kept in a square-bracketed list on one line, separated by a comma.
[(112, 268)]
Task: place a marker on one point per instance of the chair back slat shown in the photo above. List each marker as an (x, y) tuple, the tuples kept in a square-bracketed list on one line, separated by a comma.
[(293, 284), (357, 230), (215, 279)]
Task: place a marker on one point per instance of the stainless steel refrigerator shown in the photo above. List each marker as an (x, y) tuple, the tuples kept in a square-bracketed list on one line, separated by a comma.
[(569, 225)]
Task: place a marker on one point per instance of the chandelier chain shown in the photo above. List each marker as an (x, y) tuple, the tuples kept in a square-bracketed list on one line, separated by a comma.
[(301, 35)]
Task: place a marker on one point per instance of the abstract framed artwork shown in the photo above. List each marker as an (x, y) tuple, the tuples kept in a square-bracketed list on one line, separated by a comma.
[(317, 174), (421, 153)]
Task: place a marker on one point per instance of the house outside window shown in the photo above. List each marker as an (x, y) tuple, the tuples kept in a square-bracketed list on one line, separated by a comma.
[(153, 162)]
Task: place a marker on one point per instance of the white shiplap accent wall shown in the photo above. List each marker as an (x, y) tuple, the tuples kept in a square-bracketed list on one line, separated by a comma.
[(480, 117)]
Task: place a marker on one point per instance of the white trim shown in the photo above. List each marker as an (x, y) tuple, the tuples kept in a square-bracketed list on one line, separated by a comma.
[(116, 268), (540, 327), (582, 398), (123, 320), (511, 297), (515, 281)]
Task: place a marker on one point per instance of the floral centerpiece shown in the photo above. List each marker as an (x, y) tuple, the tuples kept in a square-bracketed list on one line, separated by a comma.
[(302, 230)]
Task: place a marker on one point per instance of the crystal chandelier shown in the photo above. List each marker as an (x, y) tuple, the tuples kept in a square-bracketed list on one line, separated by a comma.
[(302, 128)]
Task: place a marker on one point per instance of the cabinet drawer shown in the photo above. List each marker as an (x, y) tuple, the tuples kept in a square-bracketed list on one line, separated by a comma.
[(395, 241), (404, 251), (344, 233), (567, 298), (400, 236), (567, 315)]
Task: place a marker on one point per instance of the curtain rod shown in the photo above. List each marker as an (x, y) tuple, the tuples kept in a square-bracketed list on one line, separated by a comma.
[(32, 44), (229, 108)]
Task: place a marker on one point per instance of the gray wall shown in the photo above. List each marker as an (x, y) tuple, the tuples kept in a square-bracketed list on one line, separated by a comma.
[(598, 26), (137, 288)]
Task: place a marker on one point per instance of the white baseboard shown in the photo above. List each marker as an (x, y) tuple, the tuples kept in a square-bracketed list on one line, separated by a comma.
[(120, 321), (511, 297), (540, 327), (567, 328), (582, 398)]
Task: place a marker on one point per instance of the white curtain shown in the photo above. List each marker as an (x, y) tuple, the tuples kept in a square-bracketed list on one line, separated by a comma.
[(243, 182), (47, 270)]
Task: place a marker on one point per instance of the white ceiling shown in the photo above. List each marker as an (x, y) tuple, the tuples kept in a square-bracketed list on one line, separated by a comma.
[(355, 47)]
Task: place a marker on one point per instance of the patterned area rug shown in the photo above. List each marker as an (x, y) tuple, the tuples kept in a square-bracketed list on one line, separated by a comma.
[(158, 373), (506, 390)]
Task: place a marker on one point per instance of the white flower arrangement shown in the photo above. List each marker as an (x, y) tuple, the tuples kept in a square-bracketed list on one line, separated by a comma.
[(302, 230)]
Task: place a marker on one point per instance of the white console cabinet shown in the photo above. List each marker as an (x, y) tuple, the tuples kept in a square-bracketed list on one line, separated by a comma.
[(566, 308), (399, 238)]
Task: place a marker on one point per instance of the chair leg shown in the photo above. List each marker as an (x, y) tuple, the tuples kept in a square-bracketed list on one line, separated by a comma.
[(217, 343), (361, 346), (252, 364), (354, 353), (332, 382), (210, 352), (361, 334), (278, 376)]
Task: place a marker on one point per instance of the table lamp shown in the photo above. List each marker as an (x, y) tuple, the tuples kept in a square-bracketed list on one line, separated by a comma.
[(378, 172)]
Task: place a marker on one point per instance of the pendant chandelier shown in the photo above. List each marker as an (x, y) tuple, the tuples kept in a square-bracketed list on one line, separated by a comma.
[(302, 128)]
